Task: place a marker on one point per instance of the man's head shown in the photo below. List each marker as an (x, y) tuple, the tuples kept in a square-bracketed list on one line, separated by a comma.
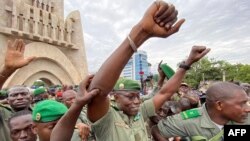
[(19, 98), (68, 97), (246, 87), (184, 88), (45, 115), (185, 104), (127, 96), (229, 100), (59, 96), (20, 125), (161, 113)]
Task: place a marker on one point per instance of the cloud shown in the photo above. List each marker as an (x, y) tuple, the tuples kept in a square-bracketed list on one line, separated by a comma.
[(221, 25)]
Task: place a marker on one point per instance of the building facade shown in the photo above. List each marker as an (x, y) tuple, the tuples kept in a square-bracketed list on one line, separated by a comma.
[(137, 67), (55, 40)]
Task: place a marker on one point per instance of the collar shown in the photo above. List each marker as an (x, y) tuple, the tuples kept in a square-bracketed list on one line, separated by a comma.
[(206, 122), (127, 119)]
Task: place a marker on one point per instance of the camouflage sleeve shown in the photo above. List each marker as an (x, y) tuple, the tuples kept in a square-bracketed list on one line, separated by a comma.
[(172, 126), (102, 126), (150, 95), (147, 109)]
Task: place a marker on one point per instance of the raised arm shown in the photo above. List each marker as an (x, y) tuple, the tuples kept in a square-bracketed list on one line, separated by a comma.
[(14, 59), (64, 129), (172, 85), (157, 22)]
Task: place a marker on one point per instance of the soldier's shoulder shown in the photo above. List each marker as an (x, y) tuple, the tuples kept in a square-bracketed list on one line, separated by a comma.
[(191, 114), (5, 107)]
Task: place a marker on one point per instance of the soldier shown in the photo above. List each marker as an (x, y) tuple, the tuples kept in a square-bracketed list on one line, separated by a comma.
[(19, 98), (207, 121), (14, 59), (164, 71), (64, 128), (20, 125), (186, 92), (40, 94), (127, 122), (45, 115), (68, 98)]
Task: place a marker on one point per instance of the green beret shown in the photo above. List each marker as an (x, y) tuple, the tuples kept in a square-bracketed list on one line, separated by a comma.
[(48, 110), (168, 71), (127, 84), (39, 91), (3, 93), (39, 83)]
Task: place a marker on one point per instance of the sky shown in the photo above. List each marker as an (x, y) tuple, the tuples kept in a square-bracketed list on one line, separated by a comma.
[(222, 25)]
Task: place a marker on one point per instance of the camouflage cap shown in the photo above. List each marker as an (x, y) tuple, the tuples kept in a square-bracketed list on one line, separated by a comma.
[(168, 71), (48, 110), (127, 84), (39, 91)]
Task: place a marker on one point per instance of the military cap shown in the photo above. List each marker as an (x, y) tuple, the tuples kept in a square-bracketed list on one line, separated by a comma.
[(38, 83), (184, 84), (39, 91), (168, 71), (127, 84), (48, 110)]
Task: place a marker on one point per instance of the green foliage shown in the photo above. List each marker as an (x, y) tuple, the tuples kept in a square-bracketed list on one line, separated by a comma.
[(243, 73), (211, 69)]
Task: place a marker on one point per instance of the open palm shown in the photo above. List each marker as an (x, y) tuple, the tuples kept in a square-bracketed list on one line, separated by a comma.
[(14, 58)]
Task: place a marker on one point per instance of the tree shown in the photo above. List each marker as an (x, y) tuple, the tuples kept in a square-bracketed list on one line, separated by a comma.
[(243, 73), (211, 69)]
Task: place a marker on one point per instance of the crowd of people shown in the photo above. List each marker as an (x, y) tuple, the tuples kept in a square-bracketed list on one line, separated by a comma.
[(104, 107)]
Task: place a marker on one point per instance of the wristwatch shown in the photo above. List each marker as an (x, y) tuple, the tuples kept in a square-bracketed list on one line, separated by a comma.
[(184, 66)]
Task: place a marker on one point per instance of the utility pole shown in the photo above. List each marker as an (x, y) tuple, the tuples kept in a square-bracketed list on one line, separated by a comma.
[(223, 75)]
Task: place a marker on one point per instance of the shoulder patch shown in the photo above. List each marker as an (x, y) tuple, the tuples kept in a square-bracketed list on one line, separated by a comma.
[(190, 114)]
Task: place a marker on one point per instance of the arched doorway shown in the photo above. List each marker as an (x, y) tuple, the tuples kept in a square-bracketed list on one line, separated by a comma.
[(47, 82)]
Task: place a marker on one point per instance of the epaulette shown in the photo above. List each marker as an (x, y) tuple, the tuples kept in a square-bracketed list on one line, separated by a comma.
[(192, 113), (6, 107)]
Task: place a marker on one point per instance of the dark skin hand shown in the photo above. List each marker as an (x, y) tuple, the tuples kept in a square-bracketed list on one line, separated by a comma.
[(14, 59), (64, 129), (145, 29)]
